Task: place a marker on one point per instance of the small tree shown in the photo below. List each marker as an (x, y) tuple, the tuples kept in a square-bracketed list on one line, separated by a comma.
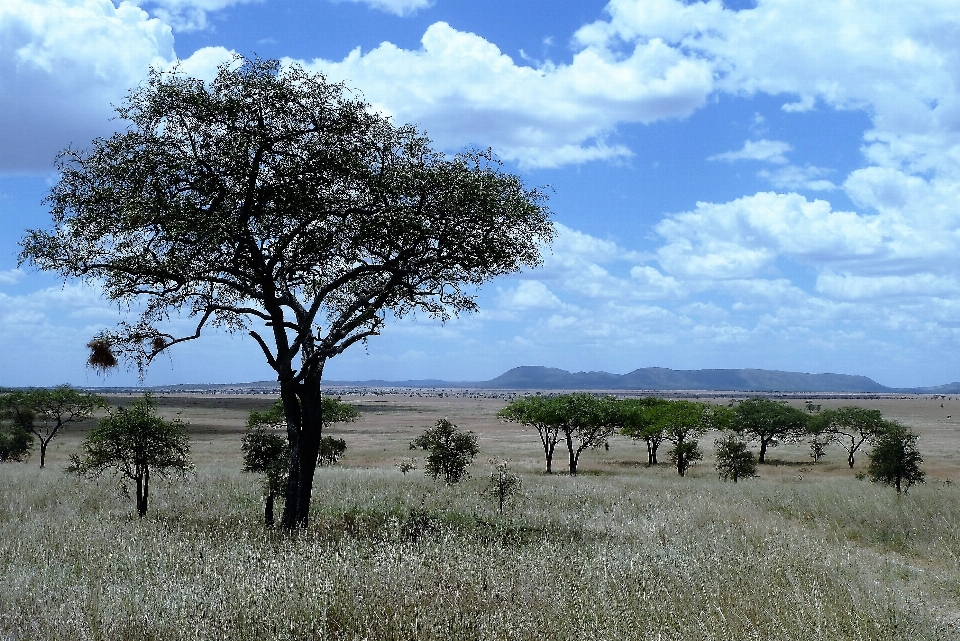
[(265, 451), (734, 460), (15, 442), (450, 451), (586, 422), (56, 408), (134, 442), (542, 413), (331, 449), (640, 418), (895, 459), (769, 422), (684, 423), (503, 484), (849, 426), (16, 427)]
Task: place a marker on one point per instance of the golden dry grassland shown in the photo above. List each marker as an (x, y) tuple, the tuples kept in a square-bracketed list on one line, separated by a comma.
[(622, 551)]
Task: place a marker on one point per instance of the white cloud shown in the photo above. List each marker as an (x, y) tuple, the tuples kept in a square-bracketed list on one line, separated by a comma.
[(463, 90), (794, 177), (187, 15), (529, 294), (397, 7), (763, 150), (63, 63), (741, 238), (11, 276)]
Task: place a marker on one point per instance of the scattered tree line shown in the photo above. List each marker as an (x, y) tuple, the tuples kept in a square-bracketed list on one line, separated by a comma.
[(583, 421)]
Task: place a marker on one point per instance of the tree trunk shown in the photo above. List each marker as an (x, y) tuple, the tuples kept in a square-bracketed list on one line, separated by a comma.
[(763, 450), (143, 491), (268, 511), (850, 460), (573, 456), (43, 451), (549, 455), (302, 406)]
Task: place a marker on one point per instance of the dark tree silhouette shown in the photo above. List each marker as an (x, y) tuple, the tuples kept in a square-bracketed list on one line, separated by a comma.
[(273, 202)]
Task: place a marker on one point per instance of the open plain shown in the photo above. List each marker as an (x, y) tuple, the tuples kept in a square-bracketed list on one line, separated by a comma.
[(622, 551)]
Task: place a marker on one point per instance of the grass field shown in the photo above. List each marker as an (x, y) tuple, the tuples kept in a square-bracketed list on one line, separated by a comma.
[(620, 552)]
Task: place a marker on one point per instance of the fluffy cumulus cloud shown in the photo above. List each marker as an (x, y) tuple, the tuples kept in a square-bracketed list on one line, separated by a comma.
[(463, 90), (63, 63)]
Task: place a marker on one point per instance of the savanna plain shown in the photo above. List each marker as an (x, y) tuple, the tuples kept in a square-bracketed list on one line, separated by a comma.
[(620, 551)]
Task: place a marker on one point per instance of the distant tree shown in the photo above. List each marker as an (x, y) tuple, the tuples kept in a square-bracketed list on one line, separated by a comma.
[(55, 408), (769, 422), (503, 483), (735, 461), (407, 465), (266, 451), (450, 451), (273, 202), (331, 449), (543, 414), (894, 459), (849, 426), (586, 422), (16, 443), (642, 418), (16, 425), (684, 423), (134, 442)]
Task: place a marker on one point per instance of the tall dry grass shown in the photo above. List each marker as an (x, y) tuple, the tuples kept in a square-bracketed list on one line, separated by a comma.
[(636, 554)]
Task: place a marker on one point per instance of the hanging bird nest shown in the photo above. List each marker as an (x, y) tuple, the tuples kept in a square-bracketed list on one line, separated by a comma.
[(101, 355), (158, 343)]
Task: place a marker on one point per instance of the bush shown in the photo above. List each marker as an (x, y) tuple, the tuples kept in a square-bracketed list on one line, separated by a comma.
[(450, 451), (331, 449), (15, 443), (895, 459), (503, 484), (734, 460)]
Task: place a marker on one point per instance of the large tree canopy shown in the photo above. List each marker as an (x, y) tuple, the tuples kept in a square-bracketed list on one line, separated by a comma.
[(274, 202)]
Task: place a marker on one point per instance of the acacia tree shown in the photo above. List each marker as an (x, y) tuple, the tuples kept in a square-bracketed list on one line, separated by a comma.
[(641, 418), (542, 413), (274, 202), (133, 442), (850, 426), (586, 422), (894, 459), (54, 409), (684, 422), (769, 422)]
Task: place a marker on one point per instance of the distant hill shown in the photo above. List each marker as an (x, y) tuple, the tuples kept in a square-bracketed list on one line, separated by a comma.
[(661, 378), (647, 378)]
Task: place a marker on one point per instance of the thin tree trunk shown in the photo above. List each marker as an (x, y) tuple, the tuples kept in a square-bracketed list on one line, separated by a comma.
[(573, 457), (43, 451), (268, 511), (763, 450)]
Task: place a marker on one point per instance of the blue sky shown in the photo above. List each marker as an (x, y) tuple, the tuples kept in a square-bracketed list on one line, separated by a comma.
[(764, 184)]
